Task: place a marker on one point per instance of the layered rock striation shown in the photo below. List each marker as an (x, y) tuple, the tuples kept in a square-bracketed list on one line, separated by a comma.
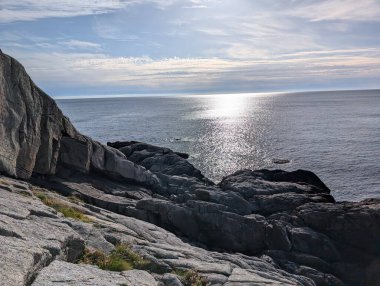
[(263, 227)]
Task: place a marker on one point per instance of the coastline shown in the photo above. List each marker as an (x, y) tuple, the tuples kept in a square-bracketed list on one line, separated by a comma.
[(223, 136), (263, 226)]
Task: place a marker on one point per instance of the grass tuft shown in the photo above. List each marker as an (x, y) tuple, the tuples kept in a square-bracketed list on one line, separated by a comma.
[(123, 258), (4, 182), (111, 262), (120, 259), (191, 278), (63, 208)]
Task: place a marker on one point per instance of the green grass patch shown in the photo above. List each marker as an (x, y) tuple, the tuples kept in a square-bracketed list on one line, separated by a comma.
[(190, 278), (112, 262), (120, 259), (63, 208), (123, 258)]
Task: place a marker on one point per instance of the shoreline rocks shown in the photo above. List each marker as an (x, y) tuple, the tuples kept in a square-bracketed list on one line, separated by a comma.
[(255, 227)]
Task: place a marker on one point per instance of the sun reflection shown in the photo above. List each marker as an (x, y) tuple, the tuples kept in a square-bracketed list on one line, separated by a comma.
[(227, 105)]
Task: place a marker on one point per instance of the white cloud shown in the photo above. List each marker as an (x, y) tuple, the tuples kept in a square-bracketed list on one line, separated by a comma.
[(76, 44), (238, 44), (353, 10), (28, 10), (181, 74)]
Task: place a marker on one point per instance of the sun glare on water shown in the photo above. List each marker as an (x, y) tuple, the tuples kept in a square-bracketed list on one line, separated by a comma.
[(227, 105)]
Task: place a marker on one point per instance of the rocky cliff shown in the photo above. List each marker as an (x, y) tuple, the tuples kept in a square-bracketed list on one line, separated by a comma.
[(72, 209)]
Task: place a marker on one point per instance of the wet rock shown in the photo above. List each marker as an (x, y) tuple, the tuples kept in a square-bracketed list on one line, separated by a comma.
[(280, 161)]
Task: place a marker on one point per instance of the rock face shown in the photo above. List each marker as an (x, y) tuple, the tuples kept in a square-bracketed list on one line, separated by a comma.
[(263, 227), (35, 136)]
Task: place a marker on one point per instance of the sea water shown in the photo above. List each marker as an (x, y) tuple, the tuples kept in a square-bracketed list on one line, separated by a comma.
[(334, 134)]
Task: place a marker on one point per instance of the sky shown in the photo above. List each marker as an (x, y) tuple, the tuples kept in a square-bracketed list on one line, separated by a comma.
[(114, 47)]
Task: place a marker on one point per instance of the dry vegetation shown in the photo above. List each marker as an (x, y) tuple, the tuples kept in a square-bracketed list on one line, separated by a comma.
[(62, 207)]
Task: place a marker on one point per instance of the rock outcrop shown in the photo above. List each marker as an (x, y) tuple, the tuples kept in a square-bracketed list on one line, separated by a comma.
[(263, 227), (37, 139)]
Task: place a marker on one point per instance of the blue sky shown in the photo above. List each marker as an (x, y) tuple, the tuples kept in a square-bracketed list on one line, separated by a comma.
[(99, 47)]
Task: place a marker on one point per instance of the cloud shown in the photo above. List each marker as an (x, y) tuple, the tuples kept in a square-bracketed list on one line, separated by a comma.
[(76, 44), (232, 45), (352, 10), (144, 74), (27, 42), (28, 10)]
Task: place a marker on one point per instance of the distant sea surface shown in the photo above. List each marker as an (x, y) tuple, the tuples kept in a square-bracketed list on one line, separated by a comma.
[(334, 134)]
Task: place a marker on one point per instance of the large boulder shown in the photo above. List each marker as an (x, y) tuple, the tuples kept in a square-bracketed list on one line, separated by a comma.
[(30, 123), (35, 135)]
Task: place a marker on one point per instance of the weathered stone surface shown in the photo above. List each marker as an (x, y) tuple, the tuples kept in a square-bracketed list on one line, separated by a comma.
[(193, 212), (171, 280), (34, 134), (254, 277), (61, 273), (75, 154), (31, 236), (30, 123), (159, 246), (113, 163)]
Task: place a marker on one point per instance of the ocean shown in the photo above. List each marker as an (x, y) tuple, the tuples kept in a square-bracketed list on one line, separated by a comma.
[(333, 134)]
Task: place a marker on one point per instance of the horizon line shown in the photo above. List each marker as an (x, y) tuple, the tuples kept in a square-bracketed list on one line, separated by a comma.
[(132, 95)]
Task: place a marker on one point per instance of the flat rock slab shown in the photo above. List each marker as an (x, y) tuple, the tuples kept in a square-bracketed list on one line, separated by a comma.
[(60, 273), (243, 277), (31, 235)]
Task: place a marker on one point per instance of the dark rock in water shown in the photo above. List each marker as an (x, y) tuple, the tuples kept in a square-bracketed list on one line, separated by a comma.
[(280, 161), (263, 227)]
